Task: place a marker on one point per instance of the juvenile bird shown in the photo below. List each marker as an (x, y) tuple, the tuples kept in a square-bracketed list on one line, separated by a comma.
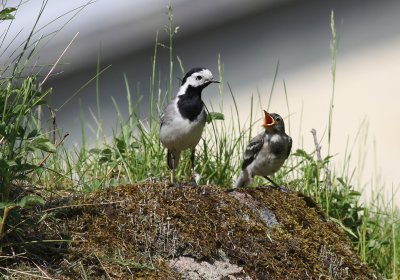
[(183, 120), (266, 152)]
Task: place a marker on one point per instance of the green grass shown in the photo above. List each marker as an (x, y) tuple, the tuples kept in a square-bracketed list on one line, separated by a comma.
[(135, 154)]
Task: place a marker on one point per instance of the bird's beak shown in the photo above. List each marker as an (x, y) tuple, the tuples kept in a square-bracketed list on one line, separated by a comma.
[(268, 120), (214, 81)]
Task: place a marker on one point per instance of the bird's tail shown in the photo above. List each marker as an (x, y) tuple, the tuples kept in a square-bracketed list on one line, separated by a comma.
[(243, 180), (170, 156)]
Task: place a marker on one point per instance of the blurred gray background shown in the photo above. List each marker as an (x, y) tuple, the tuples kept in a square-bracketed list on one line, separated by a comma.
[(251, 37)]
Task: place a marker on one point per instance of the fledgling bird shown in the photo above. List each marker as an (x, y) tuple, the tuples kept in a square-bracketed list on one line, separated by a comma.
[(183, 120), (266, 152)]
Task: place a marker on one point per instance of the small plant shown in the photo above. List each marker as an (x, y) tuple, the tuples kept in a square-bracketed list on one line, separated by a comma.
[(20, 137)]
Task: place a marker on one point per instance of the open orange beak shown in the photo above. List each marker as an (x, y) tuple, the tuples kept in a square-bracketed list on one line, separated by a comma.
[(268, 120)]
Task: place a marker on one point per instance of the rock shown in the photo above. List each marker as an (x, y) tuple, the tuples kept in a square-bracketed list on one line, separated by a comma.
[(265, 214), (153, 231), (190, 269)]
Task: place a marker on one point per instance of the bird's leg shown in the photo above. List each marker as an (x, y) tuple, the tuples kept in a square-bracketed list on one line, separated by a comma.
[(275, 185), (176, 184), (194, 183)]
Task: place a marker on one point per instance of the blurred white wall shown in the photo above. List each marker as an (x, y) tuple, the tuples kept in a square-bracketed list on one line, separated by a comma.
[(251, 36)]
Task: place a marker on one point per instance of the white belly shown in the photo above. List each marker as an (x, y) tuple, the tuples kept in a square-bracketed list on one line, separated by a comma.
[(266, 163), (180, 134)]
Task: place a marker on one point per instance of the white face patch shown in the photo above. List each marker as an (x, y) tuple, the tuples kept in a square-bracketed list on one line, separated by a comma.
[(196, 79)]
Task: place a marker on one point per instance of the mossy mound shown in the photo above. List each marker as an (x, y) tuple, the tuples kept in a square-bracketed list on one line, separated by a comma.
[(152, 231)]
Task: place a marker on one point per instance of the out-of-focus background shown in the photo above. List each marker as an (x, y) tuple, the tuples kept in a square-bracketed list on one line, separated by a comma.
[(250, 37)]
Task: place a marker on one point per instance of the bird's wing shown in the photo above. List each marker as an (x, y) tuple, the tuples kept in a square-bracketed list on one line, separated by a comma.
[(289, 146), (162, 120), (252, 150), (168, 114)]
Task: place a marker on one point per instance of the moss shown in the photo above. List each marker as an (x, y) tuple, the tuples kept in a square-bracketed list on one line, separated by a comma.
[(132, 231)]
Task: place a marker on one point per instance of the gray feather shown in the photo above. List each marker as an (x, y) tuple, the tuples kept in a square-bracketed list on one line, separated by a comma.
[(168, 114), (289, 145), (243, 180)]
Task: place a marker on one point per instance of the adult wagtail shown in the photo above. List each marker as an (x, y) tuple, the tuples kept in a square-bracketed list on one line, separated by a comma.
[(183, 120)]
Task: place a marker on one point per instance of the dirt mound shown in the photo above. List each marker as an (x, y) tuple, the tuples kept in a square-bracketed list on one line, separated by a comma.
[(152, 231)]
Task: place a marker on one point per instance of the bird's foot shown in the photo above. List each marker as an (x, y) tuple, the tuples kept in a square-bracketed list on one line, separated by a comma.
[(176, 185), (279, 188), (194, 183), (276, 186), (195, 179)]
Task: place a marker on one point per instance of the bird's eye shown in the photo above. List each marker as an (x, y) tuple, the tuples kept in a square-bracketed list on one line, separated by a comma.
[(198, 78)]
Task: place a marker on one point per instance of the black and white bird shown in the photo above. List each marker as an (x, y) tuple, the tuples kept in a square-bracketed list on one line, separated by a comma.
[(183, 120), (266, 152)]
